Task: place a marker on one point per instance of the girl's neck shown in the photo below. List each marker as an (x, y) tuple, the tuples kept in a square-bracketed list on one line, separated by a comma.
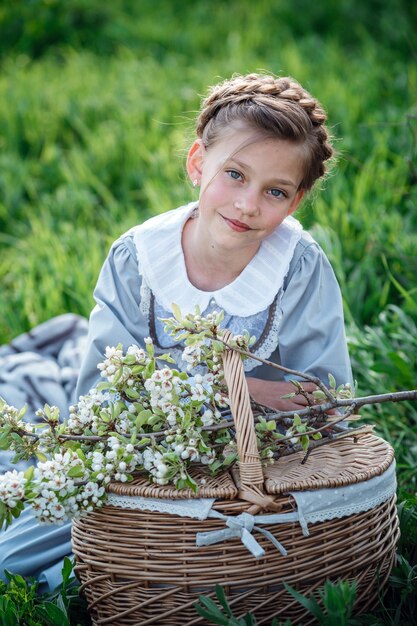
[(208, 268)]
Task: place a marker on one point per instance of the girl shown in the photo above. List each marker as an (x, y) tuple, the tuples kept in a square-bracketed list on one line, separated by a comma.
[(261, 144)]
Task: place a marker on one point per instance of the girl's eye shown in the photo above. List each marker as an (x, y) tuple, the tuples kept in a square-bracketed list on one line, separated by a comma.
[(234, 174), (277, 193)]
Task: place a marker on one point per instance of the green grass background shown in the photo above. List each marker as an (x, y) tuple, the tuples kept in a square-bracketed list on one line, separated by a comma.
[(97, 102)]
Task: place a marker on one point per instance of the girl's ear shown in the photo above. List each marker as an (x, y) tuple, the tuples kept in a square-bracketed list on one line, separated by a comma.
[(195, 161), (296, 201)]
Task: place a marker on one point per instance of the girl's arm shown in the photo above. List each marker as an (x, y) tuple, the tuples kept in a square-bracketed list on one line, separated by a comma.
[(311, 336), (116, 318), (268, 393)]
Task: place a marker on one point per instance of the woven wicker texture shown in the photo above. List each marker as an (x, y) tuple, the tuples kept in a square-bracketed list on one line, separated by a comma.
[(139, 568), (221, 486), (343, 462)]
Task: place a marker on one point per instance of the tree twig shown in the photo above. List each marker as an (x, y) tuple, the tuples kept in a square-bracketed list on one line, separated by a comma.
[(351, 432), (306, 377)]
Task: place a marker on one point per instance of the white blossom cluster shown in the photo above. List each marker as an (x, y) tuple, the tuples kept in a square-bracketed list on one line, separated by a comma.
[(84, 415), (10, 416), (12, 488), (156, 464), (111, 363), (163, 467), (164, 388), (115, 364), (63, 489), (115, 461), (196, 354), (167, 462)]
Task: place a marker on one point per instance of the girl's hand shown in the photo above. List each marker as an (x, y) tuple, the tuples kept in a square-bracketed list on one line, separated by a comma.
[(270, 394)]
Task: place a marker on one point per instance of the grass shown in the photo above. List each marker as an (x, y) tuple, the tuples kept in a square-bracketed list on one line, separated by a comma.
[(96, 110)]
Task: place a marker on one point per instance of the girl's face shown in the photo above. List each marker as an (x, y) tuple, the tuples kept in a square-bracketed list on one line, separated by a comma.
[(249, 185)]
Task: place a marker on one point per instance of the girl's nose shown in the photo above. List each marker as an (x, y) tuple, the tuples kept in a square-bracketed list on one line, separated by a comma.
[(247, 203)]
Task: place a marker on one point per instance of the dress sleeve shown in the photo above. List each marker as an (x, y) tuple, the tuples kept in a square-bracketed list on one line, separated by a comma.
[(116, 318), (312, 337), (312, 333)]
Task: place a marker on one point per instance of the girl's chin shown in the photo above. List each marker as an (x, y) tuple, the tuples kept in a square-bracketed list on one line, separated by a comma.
[(235, 242)]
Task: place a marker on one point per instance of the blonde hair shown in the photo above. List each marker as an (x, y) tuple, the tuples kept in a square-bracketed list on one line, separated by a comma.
[(280, 107)]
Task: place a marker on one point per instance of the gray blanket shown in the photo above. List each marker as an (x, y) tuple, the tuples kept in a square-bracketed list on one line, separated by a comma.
[(42, 366)]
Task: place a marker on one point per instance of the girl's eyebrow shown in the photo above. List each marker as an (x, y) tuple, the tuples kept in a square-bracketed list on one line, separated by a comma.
[(280, 181)]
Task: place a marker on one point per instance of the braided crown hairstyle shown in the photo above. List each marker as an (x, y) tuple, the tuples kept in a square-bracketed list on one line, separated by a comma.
[(280, 107)]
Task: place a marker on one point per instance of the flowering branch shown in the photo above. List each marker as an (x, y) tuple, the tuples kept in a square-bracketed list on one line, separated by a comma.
[(149, 415)]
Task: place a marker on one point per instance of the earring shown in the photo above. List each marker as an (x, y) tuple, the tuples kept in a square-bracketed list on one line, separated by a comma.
[(195, 182)]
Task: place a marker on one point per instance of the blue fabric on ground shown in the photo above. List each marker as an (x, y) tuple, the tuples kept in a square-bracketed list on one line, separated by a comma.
[(36, 368), (32, 549)]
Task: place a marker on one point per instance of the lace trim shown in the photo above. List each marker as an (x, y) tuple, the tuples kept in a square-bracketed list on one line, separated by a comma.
[(198, 508), (325, 504), (145, 300), (353, 509), (270, 342), (311, 508)]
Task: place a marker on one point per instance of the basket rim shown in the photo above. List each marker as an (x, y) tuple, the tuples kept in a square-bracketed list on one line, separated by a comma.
[(359, 458)]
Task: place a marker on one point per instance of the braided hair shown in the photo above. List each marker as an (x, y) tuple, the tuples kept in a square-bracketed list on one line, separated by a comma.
[(280, 107)]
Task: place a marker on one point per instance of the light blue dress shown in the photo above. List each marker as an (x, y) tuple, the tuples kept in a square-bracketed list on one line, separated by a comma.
[(310, 338)]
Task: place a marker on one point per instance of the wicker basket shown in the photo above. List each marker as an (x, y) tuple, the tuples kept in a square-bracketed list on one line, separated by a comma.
[(140, 567)]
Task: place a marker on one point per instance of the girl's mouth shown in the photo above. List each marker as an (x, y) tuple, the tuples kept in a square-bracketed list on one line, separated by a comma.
[(237, 226)]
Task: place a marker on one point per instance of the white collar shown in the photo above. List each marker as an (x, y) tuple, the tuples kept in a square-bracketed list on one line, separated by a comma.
[(161, 264)]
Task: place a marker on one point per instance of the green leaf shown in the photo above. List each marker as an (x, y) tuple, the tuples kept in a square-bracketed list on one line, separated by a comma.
[(229, 458), (332, 381), (80, 454), (149, 369), (221, 596), (308, 603), (76, 472), (190, 482), (215, 466), (144, 441), (16, 511), (217, 346), (142, 418), (52, 614), (176, 311), (209, 610), (165, 357), (8, 612), (17, 438), (16, 579), (67, 569), (131, 393), (4, 441)]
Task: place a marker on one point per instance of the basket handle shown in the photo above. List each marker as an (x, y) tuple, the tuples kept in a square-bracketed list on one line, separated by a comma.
[(251, 485)]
